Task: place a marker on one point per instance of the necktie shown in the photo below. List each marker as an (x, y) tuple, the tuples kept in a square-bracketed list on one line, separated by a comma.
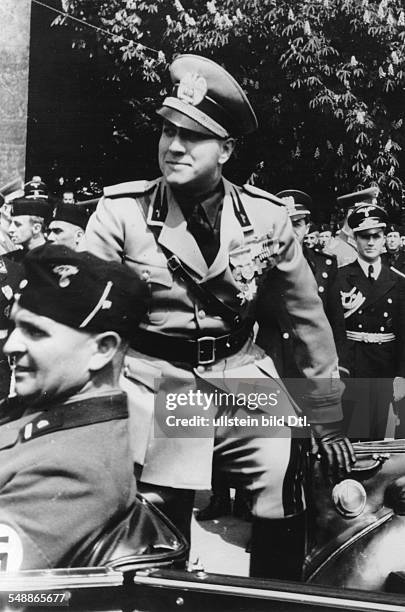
[(371, 277), (200, 228)]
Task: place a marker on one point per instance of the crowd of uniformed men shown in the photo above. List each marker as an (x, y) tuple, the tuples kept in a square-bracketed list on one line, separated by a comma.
[(187, 282)]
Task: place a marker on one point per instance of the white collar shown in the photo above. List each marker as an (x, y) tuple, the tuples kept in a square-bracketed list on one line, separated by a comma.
[(365, 265)]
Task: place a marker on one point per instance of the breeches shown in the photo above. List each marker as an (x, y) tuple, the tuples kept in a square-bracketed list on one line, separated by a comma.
[(271, 469)]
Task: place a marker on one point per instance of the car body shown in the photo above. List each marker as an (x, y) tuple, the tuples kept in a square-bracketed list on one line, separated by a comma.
[(354, 562)]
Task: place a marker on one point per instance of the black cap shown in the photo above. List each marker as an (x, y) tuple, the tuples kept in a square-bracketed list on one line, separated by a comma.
[(366, 217), (82, 291), (71, 213), (34, 202), (36, 188), (207, 99), (298, 202), (392, 228), (312, 228), (325, 228), (39, 207)]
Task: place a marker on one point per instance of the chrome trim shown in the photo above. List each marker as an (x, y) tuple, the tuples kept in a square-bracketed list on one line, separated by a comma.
[(144, 579), (44, 580)]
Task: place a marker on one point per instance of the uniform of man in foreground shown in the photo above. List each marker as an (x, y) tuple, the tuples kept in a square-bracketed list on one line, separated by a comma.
[(204, 246), (65, 461)]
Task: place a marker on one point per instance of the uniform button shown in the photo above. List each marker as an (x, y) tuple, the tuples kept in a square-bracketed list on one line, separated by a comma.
[(389, 300), (360, 326), (385, 314), (321, 289), (382, 328), (286, 335), (328, 262), (324, 275), (201, 314), (146, 275), (200, 369)]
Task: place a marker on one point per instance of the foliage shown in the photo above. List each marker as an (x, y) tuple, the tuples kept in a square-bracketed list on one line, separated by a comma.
[(325, 76)]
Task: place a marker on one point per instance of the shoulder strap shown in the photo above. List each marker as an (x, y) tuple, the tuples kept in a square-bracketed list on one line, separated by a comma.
[(68, 416), (129, 189), (256, 192)]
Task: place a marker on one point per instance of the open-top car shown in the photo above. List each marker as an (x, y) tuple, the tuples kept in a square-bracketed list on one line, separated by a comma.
[(355, 561)]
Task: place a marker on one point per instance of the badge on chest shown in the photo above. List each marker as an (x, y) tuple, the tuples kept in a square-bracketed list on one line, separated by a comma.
[(351, 301), (249, 261)]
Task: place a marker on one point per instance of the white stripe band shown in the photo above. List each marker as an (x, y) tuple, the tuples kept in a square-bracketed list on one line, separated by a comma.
[(99, 305), (371, 338)]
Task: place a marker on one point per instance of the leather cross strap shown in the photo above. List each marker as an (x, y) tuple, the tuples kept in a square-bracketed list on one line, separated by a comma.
[(212, 304)]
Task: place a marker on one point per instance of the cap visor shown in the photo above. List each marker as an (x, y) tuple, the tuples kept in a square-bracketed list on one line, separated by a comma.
[(183, 121)]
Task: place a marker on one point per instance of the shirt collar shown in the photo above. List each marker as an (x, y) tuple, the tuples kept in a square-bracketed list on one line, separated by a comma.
[(365, 266)]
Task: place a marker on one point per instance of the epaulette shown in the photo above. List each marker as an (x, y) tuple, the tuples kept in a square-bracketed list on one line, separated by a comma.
[(256, 192), (130, 188)]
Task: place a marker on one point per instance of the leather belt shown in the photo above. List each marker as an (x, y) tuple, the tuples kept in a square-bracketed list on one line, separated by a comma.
[(370, 337), (204, 350)]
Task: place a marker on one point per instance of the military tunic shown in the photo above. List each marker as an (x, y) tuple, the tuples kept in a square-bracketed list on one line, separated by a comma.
[(275, 334), (396, 260), (61, 481), (376, 311), (140, 224)]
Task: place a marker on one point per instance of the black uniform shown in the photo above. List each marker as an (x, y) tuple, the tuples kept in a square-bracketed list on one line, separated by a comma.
[(396, 260), (375, 324), (11, 273)]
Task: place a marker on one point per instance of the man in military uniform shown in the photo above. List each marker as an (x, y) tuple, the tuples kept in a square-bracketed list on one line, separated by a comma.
[(30, 215), (311, 238), (275, 334), (68, 197), (325, 236), (65, 462), (68, 225), (204, 246), (343, 246), (394, 255), (373, 298)]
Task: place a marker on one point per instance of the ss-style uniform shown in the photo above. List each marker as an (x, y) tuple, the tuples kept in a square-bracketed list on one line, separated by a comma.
[(65, 473), (204, 269), (375, 327), (373, 298)]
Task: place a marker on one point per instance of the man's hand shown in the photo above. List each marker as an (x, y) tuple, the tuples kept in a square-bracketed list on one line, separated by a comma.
[(336, 451), (399, 388)]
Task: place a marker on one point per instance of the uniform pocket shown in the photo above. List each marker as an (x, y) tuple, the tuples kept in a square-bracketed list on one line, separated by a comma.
[(160, 282)]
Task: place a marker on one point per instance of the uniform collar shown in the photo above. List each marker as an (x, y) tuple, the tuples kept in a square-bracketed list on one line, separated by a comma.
[(364, 265), (210, 202)]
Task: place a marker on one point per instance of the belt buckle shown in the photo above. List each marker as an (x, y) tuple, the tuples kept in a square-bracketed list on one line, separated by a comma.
[(206, 351), (173, 263)]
